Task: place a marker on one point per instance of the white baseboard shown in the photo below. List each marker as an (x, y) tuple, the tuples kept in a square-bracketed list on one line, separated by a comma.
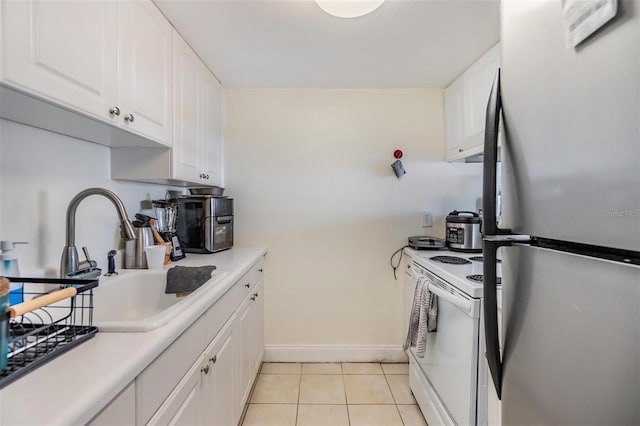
[(333, 353)]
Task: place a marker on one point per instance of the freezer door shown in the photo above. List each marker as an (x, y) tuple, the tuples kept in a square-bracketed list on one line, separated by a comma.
[(571, 117), (571, 339)]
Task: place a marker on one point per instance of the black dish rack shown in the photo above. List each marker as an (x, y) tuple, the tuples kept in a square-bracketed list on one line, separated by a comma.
[(38, 336)]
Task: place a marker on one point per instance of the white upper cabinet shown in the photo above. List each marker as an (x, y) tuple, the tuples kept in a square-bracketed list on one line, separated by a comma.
[(212, 128), (63, 51), (107, 60), (477, 86), (187, 145), (454, 115), (196, 154), (145, 69), (466, 104), (197, 149)]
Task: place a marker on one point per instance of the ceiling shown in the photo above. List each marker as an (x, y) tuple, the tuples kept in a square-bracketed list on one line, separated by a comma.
[(294, 44)]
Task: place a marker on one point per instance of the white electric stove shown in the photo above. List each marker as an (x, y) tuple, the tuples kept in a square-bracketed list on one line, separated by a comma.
[(450, 380)]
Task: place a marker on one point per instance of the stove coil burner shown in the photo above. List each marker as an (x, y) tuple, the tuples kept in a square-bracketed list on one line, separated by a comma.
[(479, 259), (450, 259), (477, 278)]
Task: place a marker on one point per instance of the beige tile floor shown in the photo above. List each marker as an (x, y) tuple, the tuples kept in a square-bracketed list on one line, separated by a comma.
[(356, 394)]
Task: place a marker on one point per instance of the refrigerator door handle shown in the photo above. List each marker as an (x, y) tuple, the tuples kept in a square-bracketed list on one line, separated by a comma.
[(490, 301), (490, 165)]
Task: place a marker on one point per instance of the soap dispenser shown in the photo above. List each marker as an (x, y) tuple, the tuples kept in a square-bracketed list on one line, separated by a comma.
[(9, 268)]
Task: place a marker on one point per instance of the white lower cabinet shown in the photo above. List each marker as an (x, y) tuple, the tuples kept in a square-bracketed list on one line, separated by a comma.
[(250, 326), (205, 376), (204, 396), (221, 357), (185, 405), (259, 326), (121, 411)]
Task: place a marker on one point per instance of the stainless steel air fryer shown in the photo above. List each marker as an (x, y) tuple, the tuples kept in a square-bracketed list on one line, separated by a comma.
[(205, 223), (463, 231)]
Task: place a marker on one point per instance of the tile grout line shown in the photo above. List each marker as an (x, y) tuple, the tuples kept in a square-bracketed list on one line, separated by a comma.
[(299, 390), (394, 398), (346, 401)]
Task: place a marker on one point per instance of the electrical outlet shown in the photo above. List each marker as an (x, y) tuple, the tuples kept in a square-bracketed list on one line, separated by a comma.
[(427, 220)]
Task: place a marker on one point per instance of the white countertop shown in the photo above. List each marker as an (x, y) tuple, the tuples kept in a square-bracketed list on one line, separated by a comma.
[(74, 387)]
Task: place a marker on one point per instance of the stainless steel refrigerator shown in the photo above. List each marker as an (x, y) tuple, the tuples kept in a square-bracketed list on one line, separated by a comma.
[(569, 231)]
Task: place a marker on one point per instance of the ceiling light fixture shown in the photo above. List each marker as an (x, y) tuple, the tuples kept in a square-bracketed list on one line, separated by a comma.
[(349, 8)]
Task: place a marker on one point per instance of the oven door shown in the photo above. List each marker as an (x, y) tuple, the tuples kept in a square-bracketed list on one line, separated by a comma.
[(450, 363)]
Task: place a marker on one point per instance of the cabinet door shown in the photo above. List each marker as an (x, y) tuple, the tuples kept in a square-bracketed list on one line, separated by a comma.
[(63, 51), (121, 411), (246, 330), (220, 409), (477, 86), (212, 129), (258, 319), (454, 116), (186, 404), (187, 115), (145, 69)]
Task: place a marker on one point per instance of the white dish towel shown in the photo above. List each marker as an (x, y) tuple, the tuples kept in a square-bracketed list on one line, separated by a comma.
[(423, 318)]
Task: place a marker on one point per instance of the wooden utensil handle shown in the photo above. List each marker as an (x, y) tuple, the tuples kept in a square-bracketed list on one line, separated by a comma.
[(42, 301), (156, 234)]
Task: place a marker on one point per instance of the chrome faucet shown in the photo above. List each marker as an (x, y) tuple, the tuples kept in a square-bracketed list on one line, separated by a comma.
[(69, 264)]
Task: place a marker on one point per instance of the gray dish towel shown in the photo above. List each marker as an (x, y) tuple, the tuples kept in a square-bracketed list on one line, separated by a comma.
[(423, 318), (185, 279)]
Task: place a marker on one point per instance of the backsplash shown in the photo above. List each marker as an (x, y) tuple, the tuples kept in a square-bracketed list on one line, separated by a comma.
[(40, 172)]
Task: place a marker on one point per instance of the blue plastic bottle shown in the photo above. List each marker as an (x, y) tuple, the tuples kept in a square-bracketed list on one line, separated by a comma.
[(9, 268)]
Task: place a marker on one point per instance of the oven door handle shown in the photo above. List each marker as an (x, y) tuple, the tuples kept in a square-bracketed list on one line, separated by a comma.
[(464, 304)]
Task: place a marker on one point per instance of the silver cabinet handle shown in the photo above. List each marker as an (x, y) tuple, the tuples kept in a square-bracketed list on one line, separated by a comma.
[(114, 111), (260, 270), (205, 369), (247, 285), (460, 150), (129, 118), (213, 359), (253, 297), (207, 177)]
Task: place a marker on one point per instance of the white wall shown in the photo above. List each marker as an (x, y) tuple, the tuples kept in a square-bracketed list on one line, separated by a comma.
[(310, 172), (40, 172)]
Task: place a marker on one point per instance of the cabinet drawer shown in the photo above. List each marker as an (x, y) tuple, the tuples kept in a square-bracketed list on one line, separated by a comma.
[(253, 276), (157, 381), (222, 310)]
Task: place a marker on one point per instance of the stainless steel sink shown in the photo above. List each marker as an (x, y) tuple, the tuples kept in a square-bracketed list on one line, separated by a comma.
[(135, 300)]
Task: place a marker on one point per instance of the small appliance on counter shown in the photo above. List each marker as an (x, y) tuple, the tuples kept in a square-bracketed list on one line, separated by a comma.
[(463, 231), (166, 216), (420, 242), (205, 223)]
